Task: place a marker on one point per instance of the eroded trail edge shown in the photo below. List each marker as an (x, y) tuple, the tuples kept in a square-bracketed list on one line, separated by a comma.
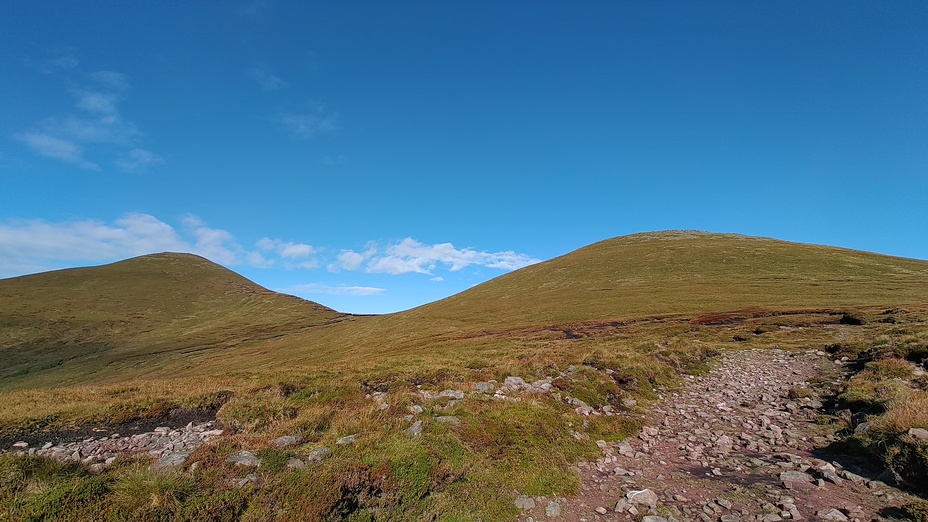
[(742, 443)]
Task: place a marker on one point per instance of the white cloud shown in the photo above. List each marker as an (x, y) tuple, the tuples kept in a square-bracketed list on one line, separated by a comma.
[(256, 260), (347, 260), (286, 249), (321, 289), (410, 256), (213, 243), (57, 148), (38, 244), (316, 120), (267, 81), (34, 245), (138, 159)]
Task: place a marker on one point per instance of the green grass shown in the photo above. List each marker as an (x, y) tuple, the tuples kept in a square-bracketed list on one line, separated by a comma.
[(145, 336)]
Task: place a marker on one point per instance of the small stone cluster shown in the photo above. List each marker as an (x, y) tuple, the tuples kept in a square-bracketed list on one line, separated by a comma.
[(99, 452)]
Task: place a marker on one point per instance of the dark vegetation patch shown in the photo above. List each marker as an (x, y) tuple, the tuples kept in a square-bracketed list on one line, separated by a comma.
[(885, 398)]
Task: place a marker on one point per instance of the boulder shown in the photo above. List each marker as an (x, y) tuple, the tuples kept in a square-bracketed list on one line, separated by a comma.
[(514, 383), (348, 439), (484, 387), (287, 441), (294, 462), (415, 430), (244, 458), (318, 454)]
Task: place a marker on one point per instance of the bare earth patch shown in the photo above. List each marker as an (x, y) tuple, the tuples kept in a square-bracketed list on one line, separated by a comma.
[(738, 444)]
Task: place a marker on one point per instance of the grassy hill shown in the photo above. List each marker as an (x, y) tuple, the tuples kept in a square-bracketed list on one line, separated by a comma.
[(681, 272), (665, 274), (144, 314)]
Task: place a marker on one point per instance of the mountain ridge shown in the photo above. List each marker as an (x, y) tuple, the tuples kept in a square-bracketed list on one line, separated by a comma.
[(155, 314)]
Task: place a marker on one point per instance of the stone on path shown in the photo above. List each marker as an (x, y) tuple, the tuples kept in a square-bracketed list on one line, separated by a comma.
[(644, 497), (832, 515), (524, 503), (796, 480), (553, 509), (170, 461)]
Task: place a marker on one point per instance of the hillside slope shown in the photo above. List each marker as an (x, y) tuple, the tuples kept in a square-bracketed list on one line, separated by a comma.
[(176, 314), (145, 312), (683, 272), (677, 273)]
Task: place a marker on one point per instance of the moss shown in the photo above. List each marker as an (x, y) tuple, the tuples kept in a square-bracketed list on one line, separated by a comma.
[(273, 460), (909, 458)]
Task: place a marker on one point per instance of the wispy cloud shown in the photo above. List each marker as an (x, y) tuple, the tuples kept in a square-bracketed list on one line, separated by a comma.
[(97, 120), (321, 289), (34, 245), (138, 159), (65, 61), (411, 256), (113, 80), (56, 148), (267, 81), (252, 8), (317, 119)]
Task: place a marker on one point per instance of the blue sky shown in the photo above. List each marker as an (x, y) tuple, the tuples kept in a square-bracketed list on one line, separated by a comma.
[(375, 156)]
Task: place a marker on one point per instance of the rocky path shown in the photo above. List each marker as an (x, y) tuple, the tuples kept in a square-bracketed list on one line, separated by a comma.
[(738, 444), (170, 445)]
